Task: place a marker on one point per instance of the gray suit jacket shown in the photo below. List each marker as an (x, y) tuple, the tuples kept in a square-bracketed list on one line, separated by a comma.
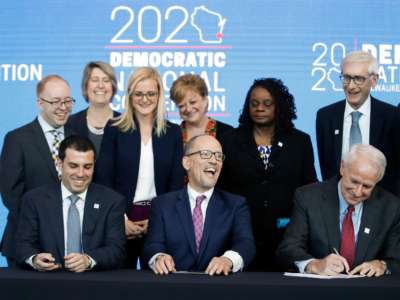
[(314, 229), (25, 163)]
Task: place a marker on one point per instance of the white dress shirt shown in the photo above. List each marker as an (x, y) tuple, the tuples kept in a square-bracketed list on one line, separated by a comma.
[(47, 129), (145, 186), (364, 123)]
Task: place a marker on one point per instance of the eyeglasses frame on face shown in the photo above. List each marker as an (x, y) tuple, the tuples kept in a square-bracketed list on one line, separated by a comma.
[(141, 95), (60, 102), (207, 154), (354, 79)]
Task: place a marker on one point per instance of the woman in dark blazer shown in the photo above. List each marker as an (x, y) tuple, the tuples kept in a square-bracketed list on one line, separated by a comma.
[(99, 85), (189, 92), (141, 155), (266, 160)]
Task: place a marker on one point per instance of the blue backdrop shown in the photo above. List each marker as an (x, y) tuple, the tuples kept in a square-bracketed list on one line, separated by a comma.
[(230, 43)]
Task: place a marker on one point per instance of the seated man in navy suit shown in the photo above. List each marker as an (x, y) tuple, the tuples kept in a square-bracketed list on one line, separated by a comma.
[(74, 224), (200, 228)]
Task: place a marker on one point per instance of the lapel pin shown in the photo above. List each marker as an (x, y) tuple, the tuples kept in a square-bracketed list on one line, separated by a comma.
[(96, 206), (280, 144), (337, 131), (366, 230)]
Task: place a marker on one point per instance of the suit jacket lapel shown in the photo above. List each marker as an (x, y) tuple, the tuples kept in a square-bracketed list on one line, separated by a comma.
[(183, 209), (56, 219), (90, 216), (330, 214), (39, 140), (214, 211), (370, 216), (249, 146), (376, 123)]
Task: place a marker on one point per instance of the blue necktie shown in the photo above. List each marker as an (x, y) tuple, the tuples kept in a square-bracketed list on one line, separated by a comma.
[(355, 131), (74, 244)]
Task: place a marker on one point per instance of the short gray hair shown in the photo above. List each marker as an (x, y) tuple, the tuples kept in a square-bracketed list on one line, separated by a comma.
[(375, 157), (362, 56)]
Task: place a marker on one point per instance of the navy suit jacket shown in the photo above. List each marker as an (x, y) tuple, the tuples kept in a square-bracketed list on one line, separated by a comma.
[(384, 135), (118, 163), (26, 163), (314, 229), (227, 227), (40, 227)]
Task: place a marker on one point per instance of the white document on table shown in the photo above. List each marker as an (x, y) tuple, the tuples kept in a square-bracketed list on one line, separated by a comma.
[(339, 276)]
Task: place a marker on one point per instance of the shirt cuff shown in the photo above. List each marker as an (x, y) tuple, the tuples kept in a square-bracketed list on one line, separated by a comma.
[(152, 260), (237, 260), (302, 264), (29, 261), (93, 263)]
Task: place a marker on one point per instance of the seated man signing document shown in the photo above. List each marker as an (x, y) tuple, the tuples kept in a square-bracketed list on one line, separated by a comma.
[(200, 228), (345, 224)]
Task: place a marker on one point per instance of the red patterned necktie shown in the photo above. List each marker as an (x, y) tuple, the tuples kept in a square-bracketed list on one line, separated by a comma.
[(197, 218), (348, 243)]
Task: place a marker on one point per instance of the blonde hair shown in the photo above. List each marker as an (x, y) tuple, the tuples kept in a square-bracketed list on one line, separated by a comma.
[(126, 121), (185, 83)]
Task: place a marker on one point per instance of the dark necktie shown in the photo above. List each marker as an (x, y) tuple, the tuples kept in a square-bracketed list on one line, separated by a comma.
[(197, 218), (348, 243), (355, 131), (74, 244)]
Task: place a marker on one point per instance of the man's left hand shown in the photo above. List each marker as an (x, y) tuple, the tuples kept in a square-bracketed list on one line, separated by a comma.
[(370, 268), (219, 265), (76, 262)]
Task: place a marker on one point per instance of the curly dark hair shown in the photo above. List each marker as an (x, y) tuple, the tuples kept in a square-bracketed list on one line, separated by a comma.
[(284, 103)]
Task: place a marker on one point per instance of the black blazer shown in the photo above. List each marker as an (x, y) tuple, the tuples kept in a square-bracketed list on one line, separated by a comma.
[(41, 229), (222, 129), (118, 164), (78, 123), (227, 227), (314, 228), (25, 163), (268, 192), (384, 135)]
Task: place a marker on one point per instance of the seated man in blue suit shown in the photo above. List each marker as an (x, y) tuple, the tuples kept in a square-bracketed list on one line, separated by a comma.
[(74, 224), (200, 228)]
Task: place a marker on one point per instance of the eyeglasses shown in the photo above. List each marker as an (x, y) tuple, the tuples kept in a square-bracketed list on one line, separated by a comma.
[(57, 102), (206, 154), (358, 80), (151, 95)]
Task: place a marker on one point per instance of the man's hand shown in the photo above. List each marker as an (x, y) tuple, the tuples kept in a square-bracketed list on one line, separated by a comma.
[(370, 268), (76, 262), (45, 262), (134, 230), (164, 264), (332, 264), (219, 265)]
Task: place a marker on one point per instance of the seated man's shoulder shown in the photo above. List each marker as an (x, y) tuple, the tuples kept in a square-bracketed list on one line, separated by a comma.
[(229, 198), (105, 192)]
